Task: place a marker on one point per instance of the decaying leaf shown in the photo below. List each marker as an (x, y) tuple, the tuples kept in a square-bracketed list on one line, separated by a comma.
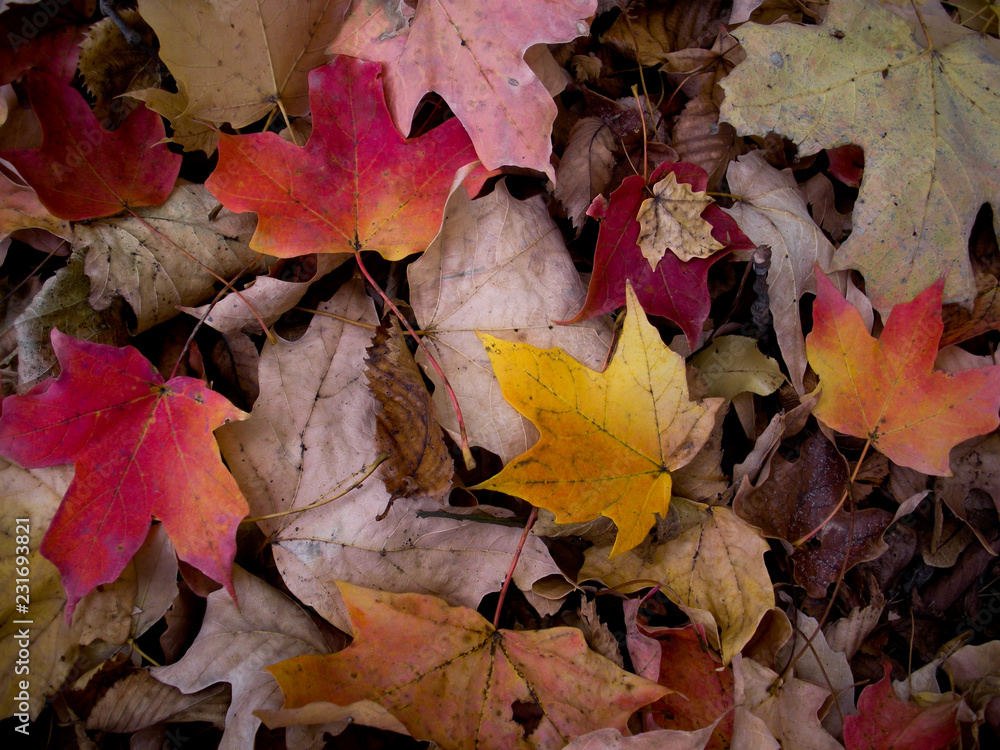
[(457, 681), (797, 499), (925, 176), (733, 365), (407, 429), (671, 220), (715, 563), (167, 256), (236, 60)]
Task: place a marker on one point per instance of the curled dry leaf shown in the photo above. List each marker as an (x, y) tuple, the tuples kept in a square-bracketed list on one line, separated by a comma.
[(672, 220), (407, 428)]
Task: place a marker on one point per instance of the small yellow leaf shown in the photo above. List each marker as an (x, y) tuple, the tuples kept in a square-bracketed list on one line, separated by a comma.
[(609, 439), (671, 219), (733, 365)]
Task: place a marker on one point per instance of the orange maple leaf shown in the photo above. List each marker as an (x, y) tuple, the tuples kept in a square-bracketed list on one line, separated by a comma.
[(450, 677), (886, 389)]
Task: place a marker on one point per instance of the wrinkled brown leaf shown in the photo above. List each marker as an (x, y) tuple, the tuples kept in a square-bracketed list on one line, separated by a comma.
[(407, 427)]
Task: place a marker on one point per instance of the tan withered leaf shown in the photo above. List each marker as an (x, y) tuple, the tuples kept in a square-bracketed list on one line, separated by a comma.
[(407, 427), (672, 219)]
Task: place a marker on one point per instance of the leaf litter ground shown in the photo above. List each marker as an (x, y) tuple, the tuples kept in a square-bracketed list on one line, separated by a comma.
[(817, 435)]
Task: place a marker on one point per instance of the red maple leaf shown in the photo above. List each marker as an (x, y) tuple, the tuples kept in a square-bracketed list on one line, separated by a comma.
[(141, 447), (39, 36), (676, 290), (83, 171), (356, 185), (884, 722)]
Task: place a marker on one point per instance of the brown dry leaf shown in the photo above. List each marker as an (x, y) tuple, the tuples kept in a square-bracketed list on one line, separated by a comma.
[(960, 324), (671, 219), (235, 644), (235, 61), (976, 472), (651, 30), (821, 664), (586, 166), (34, 494), (715, 563), (457, 681), (110, 66), (663, 739), (129, 606), (797, 499), (773, 212), (311, 432), (790, 711), (20, 209), (63, 303), (268, 299), (407, 428), (148, 260), (819, 194), (498, 266), (189, 133), (138, 701)]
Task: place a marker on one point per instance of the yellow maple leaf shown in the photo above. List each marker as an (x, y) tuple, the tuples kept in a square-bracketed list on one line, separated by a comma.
[(671, 220), (609, 440)]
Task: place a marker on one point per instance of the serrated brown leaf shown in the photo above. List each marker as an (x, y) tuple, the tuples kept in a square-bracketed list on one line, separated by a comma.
[(406, 425)]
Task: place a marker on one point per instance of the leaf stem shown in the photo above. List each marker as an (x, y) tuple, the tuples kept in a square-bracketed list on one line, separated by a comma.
[(203, 318), (510, 573), (470, 462), (364, 471)]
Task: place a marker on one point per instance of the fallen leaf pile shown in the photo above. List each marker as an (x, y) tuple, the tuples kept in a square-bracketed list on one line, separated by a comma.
[(545, 374)]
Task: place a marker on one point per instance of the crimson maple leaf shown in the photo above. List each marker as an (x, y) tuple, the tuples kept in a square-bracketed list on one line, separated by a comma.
[(356, 185), (141, 447), (83, 171), (675, 289)]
